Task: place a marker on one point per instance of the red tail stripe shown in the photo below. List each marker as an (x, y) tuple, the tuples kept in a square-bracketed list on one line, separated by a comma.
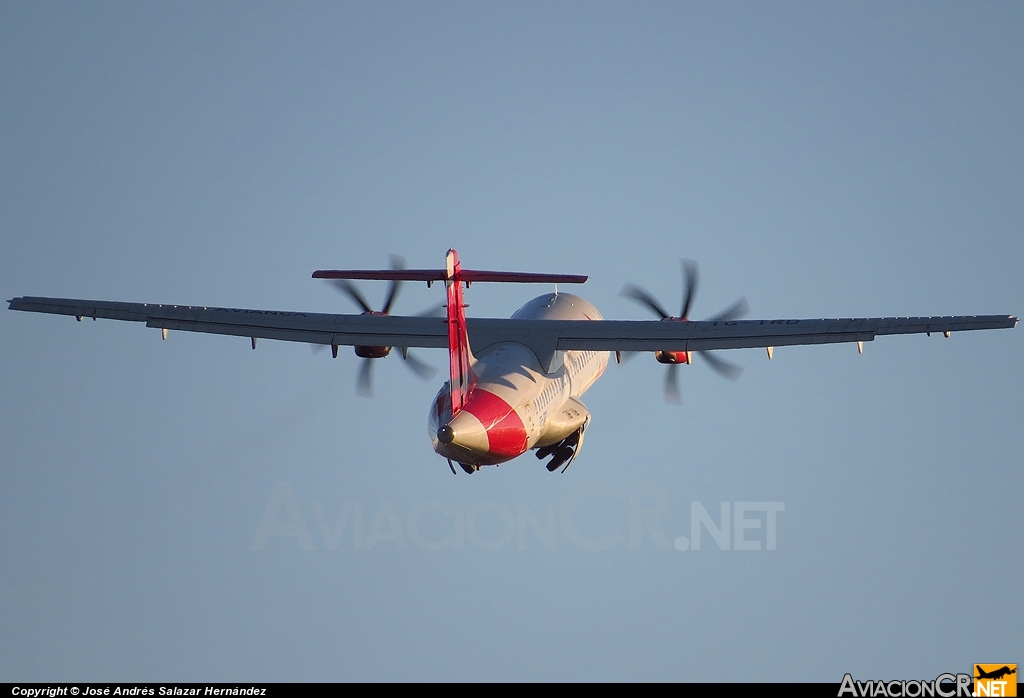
[(461, 376)]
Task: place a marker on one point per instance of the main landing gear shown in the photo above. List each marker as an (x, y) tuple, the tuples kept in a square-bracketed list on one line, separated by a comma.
[(564, 452)]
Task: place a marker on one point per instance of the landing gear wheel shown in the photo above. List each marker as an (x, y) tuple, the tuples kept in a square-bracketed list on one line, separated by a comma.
[(563, 454)]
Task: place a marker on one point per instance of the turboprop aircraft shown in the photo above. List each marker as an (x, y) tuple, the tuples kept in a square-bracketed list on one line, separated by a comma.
[(514, 384)]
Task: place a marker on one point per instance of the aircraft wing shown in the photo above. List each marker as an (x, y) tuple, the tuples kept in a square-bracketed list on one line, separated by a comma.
[(548, 337), (739, 334), (312, 328), (545, 337)]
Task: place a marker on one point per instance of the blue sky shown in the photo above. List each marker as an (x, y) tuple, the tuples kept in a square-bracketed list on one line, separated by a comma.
[(823, 160)]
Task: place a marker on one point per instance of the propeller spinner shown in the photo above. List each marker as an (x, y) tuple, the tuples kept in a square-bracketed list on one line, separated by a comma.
[(691, 278)]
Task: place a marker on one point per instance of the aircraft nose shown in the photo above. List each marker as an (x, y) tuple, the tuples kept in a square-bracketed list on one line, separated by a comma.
[(465, 432), (446, 434)]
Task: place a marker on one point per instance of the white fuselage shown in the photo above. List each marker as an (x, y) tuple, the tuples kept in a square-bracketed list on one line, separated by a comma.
[(515, 405)]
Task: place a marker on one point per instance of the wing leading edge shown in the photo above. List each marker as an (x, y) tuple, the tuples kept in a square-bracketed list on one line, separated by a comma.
[(544, 337)]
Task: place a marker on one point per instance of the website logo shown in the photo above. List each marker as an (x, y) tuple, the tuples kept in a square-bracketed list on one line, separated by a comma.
[(995, 680)]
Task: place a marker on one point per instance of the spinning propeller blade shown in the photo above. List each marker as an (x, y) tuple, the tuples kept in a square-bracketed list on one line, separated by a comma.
[(645, 299), (672, 395), (420, 368), (733, 312), (691, 277), (364, 383), (349, 289), (726, 369), (396, 263)]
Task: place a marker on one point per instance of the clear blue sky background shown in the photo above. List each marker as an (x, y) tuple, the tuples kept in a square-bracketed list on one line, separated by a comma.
[(822, 159)]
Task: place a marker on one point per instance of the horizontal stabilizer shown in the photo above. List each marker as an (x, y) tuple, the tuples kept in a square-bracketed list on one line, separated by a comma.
[(466, 275)]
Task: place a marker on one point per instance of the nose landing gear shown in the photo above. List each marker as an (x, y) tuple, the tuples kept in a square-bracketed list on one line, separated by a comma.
[(468, 468)]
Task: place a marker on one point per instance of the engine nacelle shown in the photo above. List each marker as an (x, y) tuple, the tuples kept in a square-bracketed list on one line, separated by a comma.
[(372, 352), (673, 357)]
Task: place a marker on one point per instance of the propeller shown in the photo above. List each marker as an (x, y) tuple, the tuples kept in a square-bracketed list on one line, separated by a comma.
[(364, 380), (691, 279)]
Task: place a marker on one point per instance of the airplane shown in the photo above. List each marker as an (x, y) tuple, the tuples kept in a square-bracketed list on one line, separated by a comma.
[(514, 383), (996, 674)]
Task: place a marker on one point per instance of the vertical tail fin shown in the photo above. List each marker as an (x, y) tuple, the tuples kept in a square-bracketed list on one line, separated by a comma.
[(462, 380)]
